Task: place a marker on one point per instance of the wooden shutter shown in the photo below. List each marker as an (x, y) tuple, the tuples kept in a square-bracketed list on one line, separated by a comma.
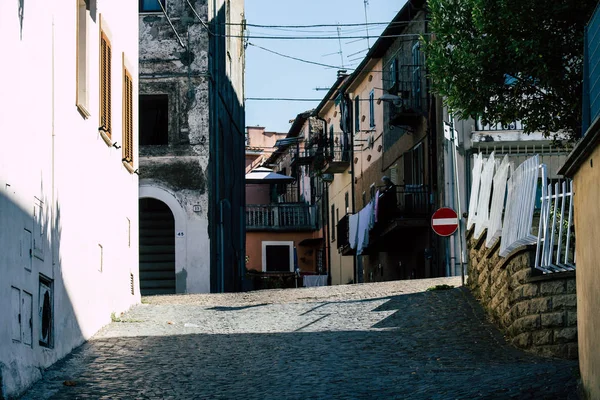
[(127, 117), (105, 84)]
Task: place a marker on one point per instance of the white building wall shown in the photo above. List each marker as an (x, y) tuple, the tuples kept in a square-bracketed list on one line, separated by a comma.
[(52, 153)]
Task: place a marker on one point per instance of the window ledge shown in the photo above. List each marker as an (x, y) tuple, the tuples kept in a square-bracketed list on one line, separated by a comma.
[(105, 137), (128, 167)]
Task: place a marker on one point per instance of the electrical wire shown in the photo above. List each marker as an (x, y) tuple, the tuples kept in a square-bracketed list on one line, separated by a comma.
[(320, 25), (323, 37)]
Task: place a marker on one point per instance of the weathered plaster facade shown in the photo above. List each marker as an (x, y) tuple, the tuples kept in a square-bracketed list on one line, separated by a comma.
[(68, 204), (195, 77)]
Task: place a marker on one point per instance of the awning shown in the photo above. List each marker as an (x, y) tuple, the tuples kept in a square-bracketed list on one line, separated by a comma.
[(287, 141), (266, 175)]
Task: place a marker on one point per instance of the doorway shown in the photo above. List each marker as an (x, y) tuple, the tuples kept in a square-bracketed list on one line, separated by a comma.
[(157, 248)]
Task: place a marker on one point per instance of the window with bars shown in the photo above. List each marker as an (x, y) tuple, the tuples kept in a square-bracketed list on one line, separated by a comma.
[(127, 117), (105, 84)]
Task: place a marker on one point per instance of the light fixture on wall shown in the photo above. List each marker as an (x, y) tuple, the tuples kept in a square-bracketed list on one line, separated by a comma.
[(116, 146), (137, 172)]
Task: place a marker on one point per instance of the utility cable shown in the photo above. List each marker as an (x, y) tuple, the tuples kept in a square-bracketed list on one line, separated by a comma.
[(197, 16)]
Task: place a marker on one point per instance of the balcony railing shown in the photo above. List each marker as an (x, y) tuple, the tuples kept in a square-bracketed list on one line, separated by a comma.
[(302, 156), (282, 217), (404, 201), (337, 153)]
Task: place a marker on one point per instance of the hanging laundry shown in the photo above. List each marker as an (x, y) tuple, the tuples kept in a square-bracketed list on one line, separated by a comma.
[(353, 231)]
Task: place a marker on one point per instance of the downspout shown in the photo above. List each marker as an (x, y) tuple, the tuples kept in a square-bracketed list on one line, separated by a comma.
[(354, 259), (325, 212)]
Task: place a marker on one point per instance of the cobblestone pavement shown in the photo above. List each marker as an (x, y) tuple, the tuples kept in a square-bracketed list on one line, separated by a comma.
[(391, 340)]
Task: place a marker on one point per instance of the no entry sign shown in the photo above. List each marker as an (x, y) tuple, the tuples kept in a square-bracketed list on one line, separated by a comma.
[(444, 221)]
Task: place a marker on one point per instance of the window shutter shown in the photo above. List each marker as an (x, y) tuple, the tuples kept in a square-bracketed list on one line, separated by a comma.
[(127, 117), (105, 85)]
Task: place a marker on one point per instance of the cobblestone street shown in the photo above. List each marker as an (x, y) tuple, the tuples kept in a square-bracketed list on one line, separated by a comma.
[(388, 340)]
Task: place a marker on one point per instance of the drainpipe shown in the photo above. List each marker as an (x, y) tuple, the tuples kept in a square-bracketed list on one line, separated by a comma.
[(354, 259), (325, 212)]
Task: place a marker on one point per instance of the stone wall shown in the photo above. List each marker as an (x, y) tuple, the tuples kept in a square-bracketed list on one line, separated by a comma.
[(537, 313)]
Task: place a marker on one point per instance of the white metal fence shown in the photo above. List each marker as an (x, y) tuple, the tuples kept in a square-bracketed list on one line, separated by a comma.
[(482, 215), (498, 196), (520, 204), (510, 214), (556, 239)]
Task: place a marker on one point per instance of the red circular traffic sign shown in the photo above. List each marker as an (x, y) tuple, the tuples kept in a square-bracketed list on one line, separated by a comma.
[(444, 221)]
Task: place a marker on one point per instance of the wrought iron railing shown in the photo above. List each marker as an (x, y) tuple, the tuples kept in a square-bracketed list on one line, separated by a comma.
[(338, 148), (403, 201), (284, 216)]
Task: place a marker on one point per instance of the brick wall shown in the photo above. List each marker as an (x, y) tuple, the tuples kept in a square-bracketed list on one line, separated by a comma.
[(537, 312)]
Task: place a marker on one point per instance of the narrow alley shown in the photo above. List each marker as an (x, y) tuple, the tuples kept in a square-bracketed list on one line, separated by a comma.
[(382, 340)]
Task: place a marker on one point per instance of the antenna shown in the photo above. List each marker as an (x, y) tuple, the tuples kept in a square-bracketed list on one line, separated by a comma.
[(366, 23), (340, 42)]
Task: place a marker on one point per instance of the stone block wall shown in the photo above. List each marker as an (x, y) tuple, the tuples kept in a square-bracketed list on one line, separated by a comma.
[(536, 312)]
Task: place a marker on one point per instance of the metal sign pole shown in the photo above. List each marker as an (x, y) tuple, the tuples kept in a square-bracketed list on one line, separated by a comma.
[(458, 208)]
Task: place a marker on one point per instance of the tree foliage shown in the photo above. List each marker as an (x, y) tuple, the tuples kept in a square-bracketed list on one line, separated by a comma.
[(507, 60)]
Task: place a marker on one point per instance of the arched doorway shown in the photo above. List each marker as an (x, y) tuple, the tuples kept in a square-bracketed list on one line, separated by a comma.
[(157, 248)]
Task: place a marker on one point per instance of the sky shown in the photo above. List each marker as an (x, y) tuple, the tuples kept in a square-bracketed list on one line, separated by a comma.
[(272, 76)]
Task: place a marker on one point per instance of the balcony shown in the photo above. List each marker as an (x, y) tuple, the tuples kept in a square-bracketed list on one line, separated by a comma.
[(402, 206), (302, 156), (337, 154), (281, 217), (411, 104)]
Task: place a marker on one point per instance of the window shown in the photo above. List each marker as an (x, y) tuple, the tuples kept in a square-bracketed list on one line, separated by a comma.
[(152, 5), (372, 109), (347, 203), (39, 231), (414, 167), (393, 72), (278, 256), (105, 85), (333, 223), (82, 71), (356, 114), (127, 118), (416, 78), (45, 300), (154, 120)]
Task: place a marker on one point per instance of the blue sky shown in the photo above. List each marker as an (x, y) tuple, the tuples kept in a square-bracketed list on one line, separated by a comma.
[(269, 75)]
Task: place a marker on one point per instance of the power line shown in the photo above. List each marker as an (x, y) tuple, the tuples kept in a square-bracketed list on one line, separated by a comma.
[(294, 58), (323, 37), (318, 25), (279, 99)]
